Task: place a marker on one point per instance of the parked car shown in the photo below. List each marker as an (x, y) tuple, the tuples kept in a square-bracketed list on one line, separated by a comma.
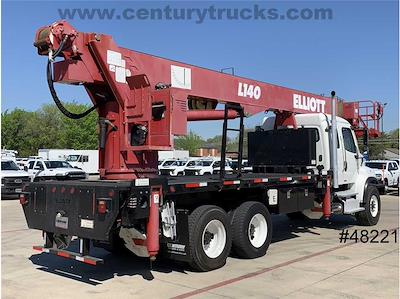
[(205, 166), (21, 162), (166, 162), (13, 180), (385, 170), (245, 165), (177, 168), (53, 169)]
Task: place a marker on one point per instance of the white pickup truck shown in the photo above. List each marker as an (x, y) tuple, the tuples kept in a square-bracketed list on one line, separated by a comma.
[(245, 165), (386, 171), (206, 166), (176, 168), (50, 170), (13, 180)]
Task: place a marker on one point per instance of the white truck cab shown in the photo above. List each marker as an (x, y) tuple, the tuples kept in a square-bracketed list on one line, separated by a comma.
[(353, 177), (53, 169), (386, 170), (13, 179)]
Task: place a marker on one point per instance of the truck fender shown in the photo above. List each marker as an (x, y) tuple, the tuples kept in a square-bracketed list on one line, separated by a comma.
[(364, 179), (373, 182)]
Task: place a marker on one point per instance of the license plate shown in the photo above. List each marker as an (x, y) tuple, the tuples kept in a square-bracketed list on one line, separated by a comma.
[(18, 190), (62, 222)]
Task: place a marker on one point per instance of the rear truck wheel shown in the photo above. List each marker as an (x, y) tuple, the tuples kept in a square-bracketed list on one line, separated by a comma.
[(370, 216), (251, 229), (210, 238)]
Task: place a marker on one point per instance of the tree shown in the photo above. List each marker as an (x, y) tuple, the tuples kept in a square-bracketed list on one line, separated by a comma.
[(47, 127), (79, 133), (14, 125), (190, 142), (378, 145)]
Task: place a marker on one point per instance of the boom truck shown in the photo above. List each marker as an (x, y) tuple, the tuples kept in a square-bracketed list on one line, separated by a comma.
[(305, 158)]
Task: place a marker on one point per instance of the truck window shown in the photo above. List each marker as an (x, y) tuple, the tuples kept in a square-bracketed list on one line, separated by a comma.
[(179, 163), (348, 140), (39, 165), (72, 158), (392, 166), (57, 164), (85, 158), (376, 165), (9, 165), (30, 165), (169, 163)]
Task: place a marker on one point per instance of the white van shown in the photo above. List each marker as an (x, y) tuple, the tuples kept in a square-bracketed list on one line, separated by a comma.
[(87, 160)]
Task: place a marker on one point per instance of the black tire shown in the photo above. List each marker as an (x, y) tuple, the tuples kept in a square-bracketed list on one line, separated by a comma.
[(240, 223), (198, 221), (366, 217)]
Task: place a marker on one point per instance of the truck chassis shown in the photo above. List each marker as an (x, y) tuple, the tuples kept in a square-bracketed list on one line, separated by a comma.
[(97, 210)]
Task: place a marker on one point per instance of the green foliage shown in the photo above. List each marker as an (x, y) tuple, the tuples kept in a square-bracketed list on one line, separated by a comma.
[(47, 127), (190, 142), (377, 146)]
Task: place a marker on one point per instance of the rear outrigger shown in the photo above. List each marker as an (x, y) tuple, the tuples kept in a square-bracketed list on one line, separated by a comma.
[(143, 101)]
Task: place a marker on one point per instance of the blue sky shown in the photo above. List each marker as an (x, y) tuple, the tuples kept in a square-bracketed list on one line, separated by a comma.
[(355, 53)]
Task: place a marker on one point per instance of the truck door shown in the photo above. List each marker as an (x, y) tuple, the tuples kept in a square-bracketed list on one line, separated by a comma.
[(396, 173), (30, 166), (349, 166), (393, 174), (38, 169)]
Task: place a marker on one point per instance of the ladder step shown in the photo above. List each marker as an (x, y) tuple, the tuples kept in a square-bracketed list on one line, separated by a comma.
[(346, 194)]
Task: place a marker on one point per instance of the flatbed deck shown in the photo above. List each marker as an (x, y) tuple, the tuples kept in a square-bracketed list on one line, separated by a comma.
[(246, 180), (197, 183)]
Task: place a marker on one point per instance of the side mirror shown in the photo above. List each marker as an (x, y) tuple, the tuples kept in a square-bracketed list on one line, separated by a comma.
[(26, 168)]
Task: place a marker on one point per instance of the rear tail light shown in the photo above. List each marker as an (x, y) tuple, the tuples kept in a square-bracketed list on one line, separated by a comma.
[(102, 207), (22, 199)]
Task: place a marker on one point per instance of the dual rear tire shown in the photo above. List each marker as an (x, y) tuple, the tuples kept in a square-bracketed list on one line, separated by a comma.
[(212, 234)]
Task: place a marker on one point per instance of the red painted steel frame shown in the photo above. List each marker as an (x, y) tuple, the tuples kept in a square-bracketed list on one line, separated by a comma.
[(127, 80)]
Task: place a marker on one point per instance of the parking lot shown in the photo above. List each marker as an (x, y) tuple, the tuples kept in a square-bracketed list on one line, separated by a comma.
[(305, 260)]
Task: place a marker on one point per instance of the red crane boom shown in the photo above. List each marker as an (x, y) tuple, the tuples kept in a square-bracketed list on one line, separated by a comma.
[(143, 101)]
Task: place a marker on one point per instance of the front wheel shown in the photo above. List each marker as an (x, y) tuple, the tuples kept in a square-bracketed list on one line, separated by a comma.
[(210, 238), (370, 216)]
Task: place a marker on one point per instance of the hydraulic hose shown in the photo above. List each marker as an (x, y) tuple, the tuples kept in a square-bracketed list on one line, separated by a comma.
[(53, 92)]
